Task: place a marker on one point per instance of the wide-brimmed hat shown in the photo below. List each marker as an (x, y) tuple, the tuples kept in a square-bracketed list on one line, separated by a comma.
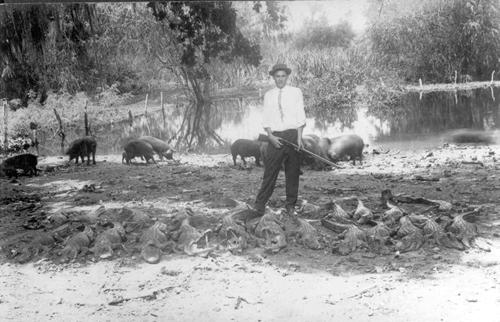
[(280, 67)]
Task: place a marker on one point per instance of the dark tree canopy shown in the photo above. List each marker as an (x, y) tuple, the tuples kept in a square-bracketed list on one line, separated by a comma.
[(206, 30), (38, 41)]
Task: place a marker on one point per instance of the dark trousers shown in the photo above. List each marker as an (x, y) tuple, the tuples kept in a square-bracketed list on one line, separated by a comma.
[(273, 161)]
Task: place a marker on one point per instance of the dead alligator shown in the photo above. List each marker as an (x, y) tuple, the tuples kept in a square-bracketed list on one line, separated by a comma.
[(269, 229), (77, 244), (108, 240), (189, 239), (152, 241)]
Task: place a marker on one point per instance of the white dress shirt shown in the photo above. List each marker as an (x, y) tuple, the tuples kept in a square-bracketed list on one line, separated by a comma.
[(292, 104)]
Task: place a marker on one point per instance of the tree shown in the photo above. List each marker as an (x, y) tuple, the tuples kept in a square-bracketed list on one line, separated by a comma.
[(188, 37), (318, 34), (440, 38), (40, 45)]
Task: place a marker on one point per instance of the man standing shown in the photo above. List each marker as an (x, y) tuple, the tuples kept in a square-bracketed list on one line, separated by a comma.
[(283, 117)]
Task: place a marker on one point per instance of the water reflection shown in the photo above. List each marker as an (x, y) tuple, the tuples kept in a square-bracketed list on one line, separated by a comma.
[(438, 112), (419, 117), (415, 123)]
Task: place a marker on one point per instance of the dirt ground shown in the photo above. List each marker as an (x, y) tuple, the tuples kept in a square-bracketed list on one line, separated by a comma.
[(297, 284)]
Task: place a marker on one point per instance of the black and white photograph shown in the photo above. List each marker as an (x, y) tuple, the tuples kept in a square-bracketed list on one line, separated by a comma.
[(250, 160)]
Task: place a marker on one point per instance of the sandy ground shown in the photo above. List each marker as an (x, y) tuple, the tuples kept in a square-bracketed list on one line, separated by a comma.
[(295, 285), (247, 289)]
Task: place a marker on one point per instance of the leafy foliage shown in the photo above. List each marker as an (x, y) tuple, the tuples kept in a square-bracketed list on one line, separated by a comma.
[(260, 20), (330, 78), (442, 37), (318, 34)]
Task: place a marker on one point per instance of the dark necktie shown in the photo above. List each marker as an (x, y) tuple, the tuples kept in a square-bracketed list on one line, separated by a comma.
[(279, 104)]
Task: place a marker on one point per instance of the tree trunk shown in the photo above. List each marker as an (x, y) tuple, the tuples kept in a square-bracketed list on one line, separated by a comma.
[(195, 128), (60, 131)]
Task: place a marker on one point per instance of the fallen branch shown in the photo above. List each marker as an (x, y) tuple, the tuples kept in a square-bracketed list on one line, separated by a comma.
[(451, 87), (238, 302), (147, 297), (420, 178), (473, 162), (408, 199), (338, 190), (363, 292)]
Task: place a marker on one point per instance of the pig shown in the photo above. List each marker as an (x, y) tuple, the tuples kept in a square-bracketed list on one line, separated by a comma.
[(349, 145), (124, 157), (324, 146), (138, 148), (160, 147), (310, 143), (246, 148), (314, 144), (82, 147), (471, 136), (26, 162)]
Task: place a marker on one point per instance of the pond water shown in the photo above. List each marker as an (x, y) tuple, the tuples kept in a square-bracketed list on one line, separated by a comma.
[(420, 121)]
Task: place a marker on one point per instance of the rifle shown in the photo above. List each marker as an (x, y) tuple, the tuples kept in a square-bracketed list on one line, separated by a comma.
[(265, 138)]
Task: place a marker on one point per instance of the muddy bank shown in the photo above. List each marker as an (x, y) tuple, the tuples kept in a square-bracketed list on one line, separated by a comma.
[(465, 176)]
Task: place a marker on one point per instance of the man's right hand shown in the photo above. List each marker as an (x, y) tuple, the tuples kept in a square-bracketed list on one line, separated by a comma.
[(275, 141)]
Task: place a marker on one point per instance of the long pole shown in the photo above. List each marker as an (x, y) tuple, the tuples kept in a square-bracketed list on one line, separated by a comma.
[(314, 155)]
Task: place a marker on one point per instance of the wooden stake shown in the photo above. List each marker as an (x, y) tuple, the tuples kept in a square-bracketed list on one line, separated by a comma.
[(60, 131), (163, 111), (5, 126), (130, 118), (34, 136), (492, 76), (146, 105), (86, 120)]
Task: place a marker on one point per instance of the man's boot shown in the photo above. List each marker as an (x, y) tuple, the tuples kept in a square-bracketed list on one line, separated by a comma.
[(290, 220)]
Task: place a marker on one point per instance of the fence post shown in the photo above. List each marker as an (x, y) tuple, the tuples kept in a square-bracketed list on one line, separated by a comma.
[(86, 120), (60, 131), (5, 126), (163, 110), (34, 134), (146, 105), (130, 118)]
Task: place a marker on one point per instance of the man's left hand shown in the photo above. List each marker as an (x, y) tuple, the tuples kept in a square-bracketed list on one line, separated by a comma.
[(300, 144)]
